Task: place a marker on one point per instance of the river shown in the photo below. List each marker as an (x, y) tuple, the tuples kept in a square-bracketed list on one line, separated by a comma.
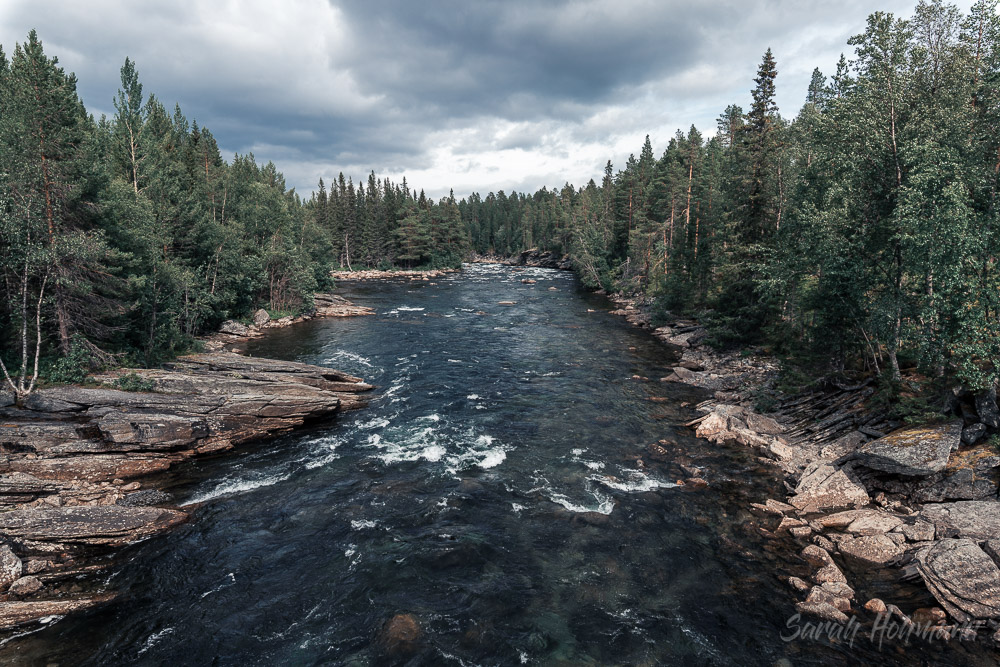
[(499, 490)]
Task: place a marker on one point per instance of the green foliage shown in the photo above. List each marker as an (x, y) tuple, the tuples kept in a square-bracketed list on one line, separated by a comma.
[(133, 382), (72, 368)]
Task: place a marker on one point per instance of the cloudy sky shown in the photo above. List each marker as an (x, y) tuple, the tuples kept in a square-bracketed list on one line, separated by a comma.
[(472, 95)]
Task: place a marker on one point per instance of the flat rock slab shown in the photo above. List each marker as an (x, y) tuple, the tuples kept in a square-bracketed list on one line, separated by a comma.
[(962, 577), (914, 452), (862, 522), (109, 525), (976, 519), (14, 614), (873, 549), (824, 487)]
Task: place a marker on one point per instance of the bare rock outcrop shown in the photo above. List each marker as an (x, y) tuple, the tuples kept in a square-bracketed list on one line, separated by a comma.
[(915, 452), (963, 578), (976, 519), (824, 487)]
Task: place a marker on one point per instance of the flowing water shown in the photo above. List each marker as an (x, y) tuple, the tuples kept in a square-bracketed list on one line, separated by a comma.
[(499, 489)]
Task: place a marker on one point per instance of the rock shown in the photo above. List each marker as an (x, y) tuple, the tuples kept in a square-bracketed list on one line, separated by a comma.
[(960, 484), (108, 525), (822, 611), (876, 549), (824, 543), (14, 614), (823, 487), (36, 566), (787, 523), (816, 556), (986, 407), (829, 574), (962, 577), (798, 584), (801, 532), (10, 567), (234, 328), (928, 616), (780, 451), (920, 531), (400, 634), (25, 586), (976, 519), (970, 434), (876, 606), (146, 498), (915, 452), (861, 522), (260, 318), (822, 595), (839, 589)]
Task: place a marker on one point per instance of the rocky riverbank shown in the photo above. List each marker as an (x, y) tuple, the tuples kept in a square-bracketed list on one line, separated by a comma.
[(534, 257), (869, 498), (80, 465), (376, 274), (232, 335)]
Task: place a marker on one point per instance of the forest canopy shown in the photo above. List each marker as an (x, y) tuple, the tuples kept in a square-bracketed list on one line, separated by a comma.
[(859, 232)]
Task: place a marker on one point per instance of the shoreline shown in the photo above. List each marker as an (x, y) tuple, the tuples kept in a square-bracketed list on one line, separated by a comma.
[(82, 465), (866, 493)]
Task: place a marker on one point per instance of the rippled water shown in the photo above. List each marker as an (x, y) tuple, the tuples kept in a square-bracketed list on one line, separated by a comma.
[(498, 489)]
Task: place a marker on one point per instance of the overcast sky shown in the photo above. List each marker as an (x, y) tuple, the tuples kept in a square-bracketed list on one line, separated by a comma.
[(475, 95)]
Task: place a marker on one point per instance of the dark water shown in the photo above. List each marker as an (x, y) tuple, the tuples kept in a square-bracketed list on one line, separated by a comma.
[(498, 489)]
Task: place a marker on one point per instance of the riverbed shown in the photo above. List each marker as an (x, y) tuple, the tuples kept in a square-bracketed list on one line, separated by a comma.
[(516, 488)]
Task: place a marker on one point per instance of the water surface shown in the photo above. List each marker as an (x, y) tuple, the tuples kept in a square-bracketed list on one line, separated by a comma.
[(500, 489)]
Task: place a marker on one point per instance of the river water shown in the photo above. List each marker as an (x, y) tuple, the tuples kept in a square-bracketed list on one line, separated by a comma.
[(499, 490)]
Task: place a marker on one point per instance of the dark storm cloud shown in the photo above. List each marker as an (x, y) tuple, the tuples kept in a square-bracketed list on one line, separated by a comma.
[(475, 95)]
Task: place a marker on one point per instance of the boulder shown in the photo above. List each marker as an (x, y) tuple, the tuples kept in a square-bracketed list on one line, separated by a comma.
[(959, 484), (816, 556), (970, 434), (822, 611), (829, 574), (914, 452), (986, 407), (234, 328), (823, 595), (874, 549), (861, 522), (25, 586), (919, 531), (400, 634), (962, 577), (10, 567), (976, 519), (260, 318), (876, 606), (824, 487)]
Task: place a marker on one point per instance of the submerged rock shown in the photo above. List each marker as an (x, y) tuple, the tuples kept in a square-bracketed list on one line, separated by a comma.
[(400, 634), (915, 452)]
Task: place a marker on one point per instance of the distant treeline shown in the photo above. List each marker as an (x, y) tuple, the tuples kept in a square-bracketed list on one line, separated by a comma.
[(123, 238), (861, 233)]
